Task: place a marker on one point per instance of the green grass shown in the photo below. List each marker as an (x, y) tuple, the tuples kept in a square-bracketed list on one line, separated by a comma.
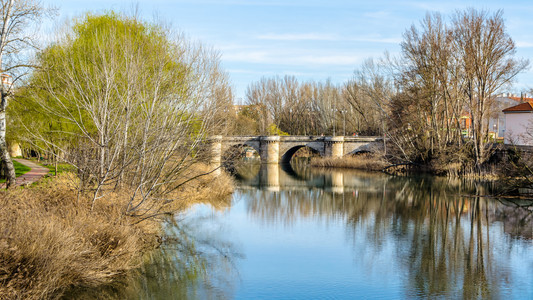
[(20, 169), (61, 167)]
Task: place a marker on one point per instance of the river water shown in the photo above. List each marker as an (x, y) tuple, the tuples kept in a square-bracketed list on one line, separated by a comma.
[(300, 233)]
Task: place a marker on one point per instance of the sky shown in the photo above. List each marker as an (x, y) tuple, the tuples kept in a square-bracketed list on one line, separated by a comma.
[(309, 39)]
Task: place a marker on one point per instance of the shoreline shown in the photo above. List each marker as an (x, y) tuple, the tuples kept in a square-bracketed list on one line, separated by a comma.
[(52, 243)]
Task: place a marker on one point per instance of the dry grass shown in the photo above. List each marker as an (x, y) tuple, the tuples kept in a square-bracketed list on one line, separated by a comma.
[(456, 170), (212, 188), (51, 242), (366, 161)]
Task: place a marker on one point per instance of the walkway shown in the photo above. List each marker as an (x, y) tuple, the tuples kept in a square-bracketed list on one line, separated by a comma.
[(36, 173)]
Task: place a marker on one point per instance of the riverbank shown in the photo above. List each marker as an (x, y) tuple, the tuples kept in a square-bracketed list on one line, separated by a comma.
[(51, 241), (365, 161), (438, 167)]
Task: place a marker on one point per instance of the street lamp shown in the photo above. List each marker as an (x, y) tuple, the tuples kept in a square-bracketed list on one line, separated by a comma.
[(344, 122)]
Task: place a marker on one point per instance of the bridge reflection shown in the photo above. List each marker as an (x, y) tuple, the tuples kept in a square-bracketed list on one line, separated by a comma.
[(336, 192), (297, 175)]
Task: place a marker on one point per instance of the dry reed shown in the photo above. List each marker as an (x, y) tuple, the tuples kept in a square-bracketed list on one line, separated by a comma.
[(51, 242), (366, 161)]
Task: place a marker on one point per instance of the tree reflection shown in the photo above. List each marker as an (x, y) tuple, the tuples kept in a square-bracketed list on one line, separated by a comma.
[(443, 239), (193, 262)]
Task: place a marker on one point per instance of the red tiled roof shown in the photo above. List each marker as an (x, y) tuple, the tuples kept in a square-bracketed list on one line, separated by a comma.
[(520, 107)]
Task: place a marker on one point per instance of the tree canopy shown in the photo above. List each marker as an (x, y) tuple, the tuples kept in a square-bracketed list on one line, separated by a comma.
[(125, 102)]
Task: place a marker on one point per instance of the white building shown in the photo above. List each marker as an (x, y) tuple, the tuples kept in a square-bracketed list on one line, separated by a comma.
[(519, 124), (497, 118)]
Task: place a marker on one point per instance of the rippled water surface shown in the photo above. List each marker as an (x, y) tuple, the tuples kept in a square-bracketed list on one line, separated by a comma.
[(297, 233)]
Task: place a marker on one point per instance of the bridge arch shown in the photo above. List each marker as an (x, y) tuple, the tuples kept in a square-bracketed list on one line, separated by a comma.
[(289, 153), (358, 151), (371, 147), (229, 152), (232, 154)]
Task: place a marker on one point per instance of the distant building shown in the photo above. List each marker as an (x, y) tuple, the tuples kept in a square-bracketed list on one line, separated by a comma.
[(6, 80), (519, 124), (497, 120)]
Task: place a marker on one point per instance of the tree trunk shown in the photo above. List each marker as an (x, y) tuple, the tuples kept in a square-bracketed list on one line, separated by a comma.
[(7, 164), (55, 165)]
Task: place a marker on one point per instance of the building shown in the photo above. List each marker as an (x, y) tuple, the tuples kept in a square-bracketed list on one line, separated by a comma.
[(519, 124), (6, 80), (497, 120)]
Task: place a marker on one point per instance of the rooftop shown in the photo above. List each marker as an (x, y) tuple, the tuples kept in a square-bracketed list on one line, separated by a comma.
[(522, 107)]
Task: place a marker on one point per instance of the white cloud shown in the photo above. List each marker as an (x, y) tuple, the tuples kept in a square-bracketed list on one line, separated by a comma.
[(329, 59), (294, 59), (328, 37), (440, 6), (524, 44), (269, 3), (247, 56), (298, 37), (245, 71), (381, 15), (377, 39)]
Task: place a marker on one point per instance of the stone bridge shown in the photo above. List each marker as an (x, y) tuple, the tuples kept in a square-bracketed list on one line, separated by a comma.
[(280, 149)]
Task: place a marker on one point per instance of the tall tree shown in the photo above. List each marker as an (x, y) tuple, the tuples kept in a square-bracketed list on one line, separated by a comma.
[(485, 53), (16, 18), (430, 82), (136, 102)]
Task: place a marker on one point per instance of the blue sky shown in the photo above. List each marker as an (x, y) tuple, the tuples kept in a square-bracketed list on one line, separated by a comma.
[(309, 39)]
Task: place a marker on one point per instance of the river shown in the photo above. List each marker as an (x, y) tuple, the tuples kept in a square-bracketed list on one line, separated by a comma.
[(301, 233)]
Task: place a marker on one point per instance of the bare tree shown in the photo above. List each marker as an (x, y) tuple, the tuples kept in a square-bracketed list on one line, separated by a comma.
[(259, 96), (366, 116), (16, 18), (431, 103), (297, 107), (377, 85), (485, 53), (136, 103), (447, 71), (426, 77)]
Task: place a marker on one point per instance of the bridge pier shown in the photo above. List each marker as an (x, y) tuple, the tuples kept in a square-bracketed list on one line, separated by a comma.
[(270, 149), (337, 182), (334, 146), (270, 177)]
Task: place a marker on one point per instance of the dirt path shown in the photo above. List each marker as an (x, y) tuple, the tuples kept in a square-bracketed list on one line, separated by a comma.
[(36, 173)]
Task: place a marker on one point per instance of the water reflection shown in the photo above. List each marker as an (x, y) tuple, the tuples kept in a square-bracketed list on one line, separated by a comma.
[(446, 242), (299, 233), (194, 261)]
